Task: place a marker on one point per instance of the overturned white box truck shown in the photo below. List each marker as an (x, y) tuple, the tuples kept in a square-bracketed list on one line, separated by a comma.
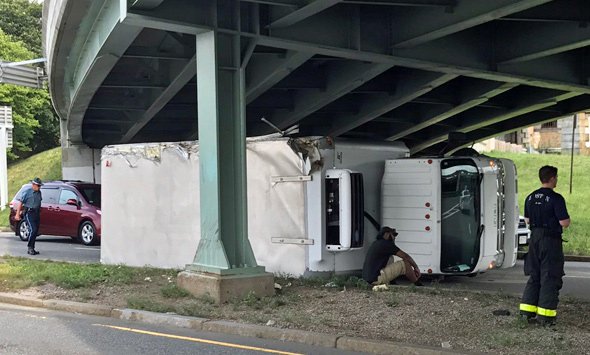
[(314, 206)]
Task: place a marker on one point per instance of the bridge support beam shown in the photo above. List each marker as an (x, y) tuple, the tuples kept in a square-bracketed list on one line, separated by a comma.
[(79, 162), (224, 265)]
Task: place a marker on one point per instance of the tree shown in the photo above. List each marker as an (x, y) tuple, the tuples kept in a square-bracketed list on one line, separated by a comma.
[(21, 21), (36, 127)]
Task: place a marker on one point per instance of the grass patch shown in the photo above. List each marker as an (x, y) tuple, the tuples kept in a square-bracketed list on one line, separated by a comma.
[(19, 273), (197, 308), (392, 300), (147, 304), (173, 291), (46, 165), (578, 234), (337, 281), (504, 339)]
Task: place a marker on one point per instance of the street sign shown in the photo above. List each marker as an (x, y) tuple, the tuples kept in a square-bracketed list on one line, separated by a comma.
[(21, 75), (6, 125)]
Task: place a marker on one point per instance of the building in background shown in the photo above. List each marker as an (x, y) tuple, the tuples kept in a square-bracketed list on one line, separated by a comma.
[(556, 136)]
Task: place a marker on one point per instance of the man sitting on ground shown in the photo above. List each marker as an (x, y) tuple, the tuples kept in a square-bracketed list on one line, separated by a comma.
[(379, 267)]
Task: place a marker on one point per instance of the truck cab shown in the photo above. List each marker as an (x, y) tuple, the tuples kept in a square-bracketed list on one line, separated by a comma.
[(455, 215)]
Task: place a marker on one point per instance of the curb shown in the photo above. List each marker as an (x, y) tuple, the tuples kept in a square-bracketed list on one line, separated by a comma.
[(158, 318), (386, 347), (78, 307), (265, 332), (227, 327), (21, 300)]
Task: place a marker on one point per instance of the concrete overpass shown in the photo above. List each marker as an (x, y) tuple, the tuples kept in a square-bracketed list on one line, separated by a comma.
[(412, 70), (409, 70)]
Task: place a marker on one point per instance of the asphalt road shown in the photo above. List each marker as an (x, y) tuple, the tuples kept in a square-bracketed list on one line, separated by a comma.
[(576, 282), (40, 331), (51, 248)]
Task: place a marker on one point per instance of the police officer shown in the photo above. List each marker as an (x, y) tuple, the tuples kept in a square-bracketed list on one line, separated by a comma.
[(546, 214), (31, 202)]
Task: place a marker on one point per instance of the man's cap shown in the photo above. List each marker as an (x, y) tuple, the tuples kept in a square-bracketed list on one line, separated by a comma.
[(37, 181), (389, 230)]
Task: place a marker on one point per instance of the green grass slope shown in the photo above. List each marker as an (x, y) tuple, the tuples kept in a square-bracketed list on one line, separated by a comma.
[(46, 165), (578, 235)]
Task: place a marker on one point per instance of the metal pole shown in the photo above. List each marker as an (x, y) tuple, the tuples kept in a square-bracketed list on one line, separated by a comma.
[(3, 168), (572, 156)]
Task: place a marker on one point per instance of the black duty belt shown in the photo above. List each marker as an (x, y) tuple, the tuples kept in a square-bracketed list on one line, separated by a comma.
[(547, 232)]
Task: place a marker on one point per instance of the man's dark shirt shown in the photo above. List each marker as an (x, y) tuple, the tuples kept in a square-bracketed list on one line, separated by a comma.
[(31, 199), (552, 210), (377, 257)]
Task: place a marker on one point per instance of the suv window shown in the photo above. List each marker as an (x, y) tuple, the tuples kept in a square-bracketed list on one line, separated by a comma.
[(66, 195), (50, 195), (91, 194)]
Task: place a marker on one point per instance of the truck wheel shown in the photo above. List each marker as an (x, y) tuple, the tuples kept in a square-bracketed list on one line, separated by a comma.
[(23, 231), (87, 233)]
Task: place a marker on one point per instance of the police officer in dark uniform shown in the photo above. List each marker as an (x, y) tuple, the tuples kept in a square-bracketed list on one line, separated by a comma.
[(31, 203), (546, 214)]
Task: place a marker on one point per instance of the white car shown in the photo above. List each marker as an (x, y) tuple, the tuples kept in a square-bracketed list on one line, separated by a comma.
[(523, 232)]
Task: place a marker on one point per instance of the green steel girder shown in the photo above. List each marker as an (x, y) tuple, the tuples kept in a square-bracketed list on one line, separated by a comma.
[(224, 247), (490, 41), (564, 108), (534, 103)]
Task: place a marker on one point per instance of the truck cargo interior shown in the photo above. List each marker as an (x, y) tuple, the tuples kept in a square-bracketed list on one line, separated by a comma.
[(460, 215)]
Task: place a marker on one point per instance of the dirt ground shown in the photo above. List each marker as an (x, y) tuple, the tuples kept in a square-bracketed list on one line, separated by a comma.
[(416, 315)]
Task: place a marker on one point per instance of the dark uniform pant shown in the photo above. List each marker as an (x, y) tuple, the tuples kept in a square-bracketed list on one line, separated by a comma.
[(544, 266), (32, 218)]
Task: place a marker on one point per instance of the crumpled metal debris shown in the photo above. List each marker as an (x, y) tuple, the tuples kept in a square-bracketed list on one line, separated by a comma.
[(308, 150)]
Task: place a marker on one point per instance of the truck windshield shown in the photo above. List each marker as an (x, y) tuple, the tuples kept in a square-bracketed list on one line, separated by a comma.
[(460, 225)]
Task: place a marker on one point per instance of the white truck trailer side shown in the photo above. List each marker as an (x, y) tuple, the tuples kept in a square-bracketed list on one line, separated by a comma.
[(307, 201)]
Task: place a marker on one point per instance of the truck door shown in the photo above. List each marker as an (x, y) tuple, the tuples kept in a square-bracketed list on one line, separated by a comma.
[(511, 213)]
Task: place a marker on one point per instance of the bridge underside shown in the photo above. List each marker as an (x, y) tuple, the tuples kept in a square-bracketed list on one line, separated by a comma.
[(411, 70)]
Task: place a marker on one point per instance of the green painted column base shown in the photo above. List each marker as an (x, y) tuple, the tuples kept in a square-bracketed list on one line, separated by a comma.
[(226, 288)]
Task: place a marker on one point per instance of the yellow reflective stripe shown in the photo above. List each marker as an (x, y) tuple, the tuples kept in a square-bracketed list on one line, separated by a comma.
[(546, 312), (528, 308)]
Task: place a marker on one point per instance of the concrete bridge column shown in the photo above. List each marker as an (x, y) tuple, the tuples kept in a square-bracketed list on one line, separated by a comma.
[(79, 162), (224, 266)]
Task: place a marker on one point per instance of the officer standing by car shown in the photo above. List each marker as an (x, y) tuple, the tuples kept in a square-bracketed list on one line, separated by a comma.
[(546, 214), (31, 201)]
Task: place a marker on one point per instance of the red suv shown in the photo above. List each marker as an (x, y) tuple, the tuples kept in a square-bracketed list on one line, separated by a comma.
[(69, 208)]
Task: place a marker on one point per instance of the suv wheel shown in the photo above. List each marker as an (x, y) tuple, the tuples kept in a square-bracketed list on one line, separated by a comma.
[(24, 231), (87, 233)]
